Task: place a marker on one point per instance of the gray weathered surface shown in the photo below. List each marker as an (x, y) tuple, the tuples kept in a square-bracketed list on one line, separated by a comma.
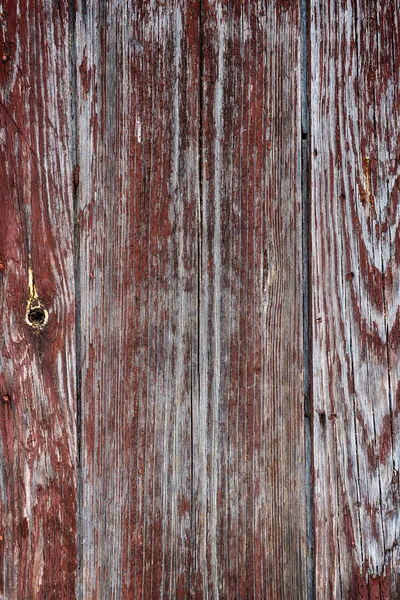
[(249, 450), (190, 274), (137, 126), (355, 296), (152, 430)]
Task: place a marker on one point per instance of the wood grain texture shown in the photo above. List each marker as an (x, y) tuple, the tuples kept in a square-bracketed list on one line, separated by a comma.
[(38, 523), (248, 422), (191, 321), (138, 108), (355, 293)]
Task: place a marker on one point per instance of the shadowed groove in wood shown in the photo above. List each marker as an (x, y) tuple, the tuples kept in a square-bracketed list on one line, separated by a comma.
[(193, 512), (75, 201), (306, 257)]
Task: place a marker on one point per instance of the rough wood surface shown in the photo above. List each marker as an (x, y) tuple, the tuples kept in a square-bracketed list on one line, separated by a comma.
[(355, 255), (154, 220), (249, 500), (38, 520), (191, 321), (137, 124)]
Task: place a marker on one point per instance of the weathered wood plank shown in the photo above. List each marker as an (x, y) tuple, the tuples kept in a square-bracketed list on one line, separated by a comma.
[(138, 82), (38, 530), (248, 421), (355, 172), (192, 395)]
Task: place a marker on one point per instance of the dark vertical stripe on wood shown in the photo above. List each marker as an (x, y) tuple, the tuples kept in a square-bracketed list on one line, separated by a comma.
[(248, 422), (37, 365), (138, 118), (355, 274)]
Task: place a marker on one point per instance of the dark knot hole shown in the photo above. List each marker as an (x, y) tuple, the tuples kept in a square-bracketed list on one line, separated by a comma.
[(37, 316)]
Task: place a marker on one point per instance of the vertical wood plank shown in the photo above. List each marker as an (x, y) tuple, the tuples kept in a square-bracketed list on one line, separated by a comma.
[(38, 530), (138, 81), (249, 419), (355, 290), (191, 320)]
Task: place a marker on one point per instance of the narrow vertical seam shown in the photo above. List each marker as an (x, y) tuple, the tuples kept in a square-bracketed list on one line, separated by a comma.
[(76, 249), (306, 284), (199, 267)]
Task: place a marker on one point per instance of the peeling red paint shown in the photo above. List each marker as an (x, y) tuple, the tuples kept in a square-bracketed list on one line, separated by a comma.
[(38, 515), (385, 439), (86, 76)]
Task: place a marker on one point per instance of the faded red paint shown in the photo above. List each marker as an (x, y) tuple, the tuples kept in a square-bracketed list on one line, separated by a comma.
[(189, 226), (86, 76), (385, 439), (38, 519), (366, 587)]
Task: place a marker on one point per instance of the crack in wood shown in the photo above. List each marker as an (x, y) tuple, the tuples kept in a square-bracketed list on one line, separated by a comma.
[(36, 316)]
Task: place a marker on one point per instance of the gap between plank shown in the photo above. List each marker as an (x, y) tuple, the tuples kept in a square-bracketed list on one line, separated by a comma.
[(75, 183), (306, 246), (199, 268)]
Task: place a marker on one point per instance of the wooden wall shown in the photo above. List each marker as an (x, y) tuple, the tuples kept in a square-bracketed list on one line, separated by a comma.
[(199, 291)]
